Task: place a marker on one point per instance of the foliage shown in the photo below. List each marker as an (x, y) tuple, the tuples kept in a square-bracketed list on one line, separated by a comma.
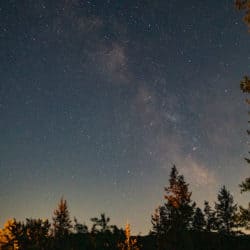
[(244, 5), (158, 221), (130, 243), (80, 228), (245, 185), (37, 232), (225, 212), (210, 218), (12, 233), (33, 234), (100, 224), (244, 217), (178, 208), (172, 219), (199, 222), (61, 220), (61, 226)]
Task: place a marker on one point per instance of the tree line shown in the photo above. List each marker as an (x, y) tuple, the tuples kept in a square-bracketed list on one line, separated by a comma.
[(179, 215), (172, 222), (62, 233)]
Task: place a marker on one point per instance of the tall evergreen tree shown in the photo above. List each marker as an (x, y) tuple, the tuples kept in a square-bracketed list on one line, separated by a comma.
[(175, 216), (210, 218), (225, 212), (199, 222), (61, 221), (178, 207)]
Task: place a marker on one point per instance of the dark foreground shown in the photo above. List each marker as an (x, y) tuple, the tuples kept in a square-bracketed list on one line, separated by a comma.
[(184, 241)]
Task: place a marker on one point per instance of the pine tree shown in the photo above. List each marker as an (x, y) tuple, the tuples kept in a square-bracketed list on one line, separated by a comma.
[(37, 232), (225, 212), (199, 222), (210, 218), (157, 220), (176, 214), (61, 220), (178, 208), (244, 217)]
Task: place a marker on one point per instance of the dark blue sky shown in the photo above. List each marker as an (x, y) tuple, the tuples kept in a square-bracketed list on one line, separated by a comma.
[(99, 98)]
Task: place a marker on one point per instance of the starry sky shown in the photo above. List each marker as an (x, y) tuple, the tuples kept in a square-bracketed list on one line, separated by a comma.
[(99, 98)]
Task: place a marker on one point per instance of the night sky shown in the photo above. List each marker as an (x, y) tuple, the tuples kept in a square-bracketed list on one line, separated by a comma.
[(99, 98)]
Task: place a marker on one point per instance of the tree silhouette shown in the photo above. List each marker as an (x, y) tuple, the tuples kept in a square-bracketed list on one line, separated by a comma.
[(80, 228), (61, 225), (100, 224), (130, 243), (225, 212), (244, 217), (171, 220), (61, 220), (199, 222), (102, 232), (210, 218), (37, 232), (158, 221), (178, 207)]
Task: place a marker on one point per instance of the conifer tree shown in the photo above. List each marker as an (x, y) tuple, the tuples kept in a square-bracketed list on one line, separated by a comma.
[(176, 214), (157, 220), (178, 207), (61, 220), (225, 212), (37, 232), (199, 222), (210, 217), (244, 217)]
